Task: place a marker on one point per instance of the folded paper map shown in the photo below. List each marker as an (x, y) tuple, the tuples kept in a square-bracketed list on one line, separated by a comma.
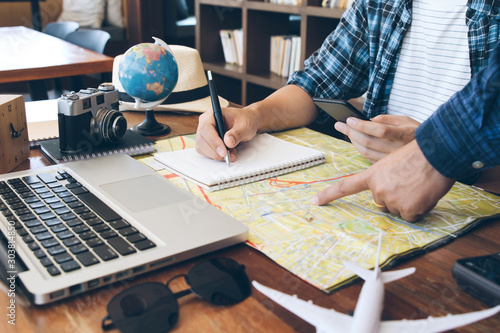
[(312, 241)]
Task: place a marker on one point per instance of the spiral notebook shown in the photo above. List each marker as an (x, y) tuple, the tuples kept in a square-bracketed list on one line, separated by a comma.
[(131, 144), (265, 156)]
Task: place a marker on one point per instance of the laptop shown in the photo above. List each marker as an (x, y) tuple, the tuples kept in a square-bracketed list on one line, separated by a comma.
[(82, 225)]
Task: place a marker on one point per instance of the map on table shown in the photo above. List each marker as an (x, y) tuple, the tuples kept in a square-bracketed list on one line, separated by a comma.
[(312, 241)]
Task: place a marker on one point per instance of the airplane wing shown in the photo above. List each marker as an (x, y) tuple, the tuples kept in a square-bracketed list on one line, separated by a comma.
[(431, 324), (325, 320)]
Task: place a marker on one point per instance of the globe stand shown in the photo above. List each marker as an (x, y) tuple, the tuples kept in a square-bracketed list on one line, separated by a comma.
[(151, 127)]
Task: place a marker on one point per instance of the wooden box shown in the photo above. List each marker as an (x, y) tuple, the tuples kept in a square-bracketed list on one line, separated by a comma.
[(14, 143)]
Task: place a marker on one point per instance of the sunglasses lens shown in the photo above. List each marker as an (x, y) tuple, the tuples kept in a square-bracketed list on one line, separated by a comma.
[(220, 281), (147, 307)]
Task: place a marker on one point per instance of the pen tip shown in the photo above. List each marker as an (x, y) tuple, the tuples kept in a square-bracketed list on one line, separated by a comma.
[(228, 160)]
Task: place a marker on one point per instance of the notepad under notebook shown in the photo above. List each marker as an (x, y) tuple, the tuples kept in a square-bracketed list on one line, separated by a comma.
[(265, 156), (131, 144)]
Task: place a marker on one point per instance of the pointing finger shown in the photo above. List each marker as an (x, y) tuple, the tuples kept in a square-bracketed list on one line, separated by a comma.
[(346, 186)]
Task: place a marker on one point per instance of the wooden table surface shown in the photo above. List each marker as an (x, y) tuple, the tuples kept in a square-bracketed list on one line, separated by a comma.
[(431, 290), (27, 55)]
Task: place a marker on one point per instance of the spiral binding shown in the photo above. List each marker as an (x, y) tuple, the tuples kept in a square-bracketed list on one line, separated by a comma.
[(132, 151), (265, 173)]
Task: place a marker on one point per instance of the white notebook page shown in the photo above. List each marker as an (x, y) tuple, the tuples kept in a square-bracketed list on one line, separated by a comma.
[(263, 157)]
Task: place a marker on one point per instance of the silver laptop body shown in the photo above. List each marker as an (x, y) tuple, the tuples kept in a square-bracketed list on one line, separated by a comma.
[(180, 225)]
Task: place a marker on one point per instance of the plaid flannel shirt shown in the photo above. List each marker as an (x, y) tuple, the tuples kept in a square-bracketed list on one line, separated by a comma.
[(361, 54)]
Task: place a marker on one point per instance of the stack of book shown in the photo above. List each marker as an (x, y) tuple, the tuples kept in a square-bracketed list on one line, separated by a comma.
[(232, 45), (341, 4), (285, 54)]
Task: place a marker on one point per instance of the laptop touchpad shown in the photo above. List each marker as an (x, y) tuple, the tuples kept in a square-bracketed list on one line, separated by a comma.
[(144, 193)]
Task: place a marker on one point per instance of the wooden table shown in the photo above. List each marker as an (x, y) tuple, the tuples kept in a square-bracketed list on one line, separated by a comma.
[(431, 290), (29, 55)]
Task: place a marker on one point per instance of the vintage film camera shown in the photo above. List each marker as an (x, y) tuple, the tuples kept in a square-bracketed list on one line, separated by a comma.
[(89, 118)]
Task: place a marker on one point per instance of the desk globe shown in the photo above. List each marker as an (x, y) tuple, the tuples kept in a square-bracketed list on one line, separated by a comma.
[(148, 72)]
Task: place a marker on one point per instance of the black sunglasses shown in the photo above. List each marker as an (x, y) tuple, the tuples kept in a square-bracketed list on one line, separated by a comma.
[(152, 307)]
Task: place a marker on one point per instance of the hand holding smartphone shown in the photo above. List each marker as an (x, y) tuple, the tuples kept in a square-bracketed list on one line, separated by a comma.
[(340, 110)]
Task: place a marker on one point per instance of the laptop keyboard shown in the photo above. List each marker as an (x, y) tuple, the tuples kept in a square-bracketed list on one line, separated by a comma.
[(64, 224)]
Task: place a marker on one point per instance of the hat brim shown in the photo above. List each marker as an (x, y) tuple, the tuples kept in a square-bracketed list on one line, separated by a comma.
[(197, 106)]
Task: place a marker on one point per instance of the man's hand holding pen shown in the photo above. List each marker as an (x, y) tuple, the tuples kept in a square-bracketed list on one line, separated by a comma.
[(240, 126)]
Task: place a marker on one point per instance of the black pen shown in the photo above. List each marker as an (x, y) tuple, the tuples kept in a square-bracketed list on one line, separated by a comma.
[(219, 119)]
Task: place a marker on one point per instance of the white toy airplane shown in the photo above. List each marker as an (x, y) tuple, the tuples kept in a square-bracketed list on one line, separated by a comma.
[(369, 308)]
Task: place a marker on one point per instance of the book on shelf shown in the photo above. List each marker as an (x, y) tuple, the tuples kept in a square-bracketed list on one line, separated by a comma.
[(286, 2), (340, 4), (285, 54), (263, 157), (131, 144), (232, 45)]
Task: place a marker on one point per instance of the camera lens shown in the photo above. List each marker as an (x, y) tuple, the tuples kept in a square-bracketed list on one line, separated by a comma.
[(111, 124)]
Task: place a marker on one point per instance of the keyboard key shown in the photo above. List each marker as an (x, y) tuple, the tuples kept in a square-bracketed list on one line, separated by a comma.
[(87, 235), (50, 200), (94, 242), (79, 248), (55, 250), (136, 238), (99, 207), (120, 245), (37, 204), (38, 229), (62, 210), (79, 190), (33, 246), (40, 254), (93, 221), (46, 178), (31, 180), (71, 241), (69, 266), (57, 205), (28, 239), (48, 197), (88, 215), (53, 270), (75, 204), (87, 258), (63, 257), (43, 236), (42, 210), (108, 234), (47, 216), (58, 228), (145, 244), (128, 231), (67, 216), (81, 228), (80, 210), (74, 222), (105, 252), (46, 262), (52, 222), (50, 242), (64, 234), (119, 224), (101, 227)]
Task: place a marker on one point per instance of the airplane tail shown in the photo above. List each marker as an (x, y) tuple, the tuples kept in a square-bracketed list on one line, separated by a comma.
[(366, 274)]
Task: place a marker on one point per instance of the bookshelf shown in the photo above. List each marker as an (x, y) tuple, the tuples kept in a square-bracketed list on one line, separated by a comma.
[(259, 20)]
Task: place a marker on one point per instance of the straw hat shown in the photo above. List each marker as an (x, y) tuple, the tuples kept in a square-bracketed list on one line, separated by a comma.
[(191, 92)]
